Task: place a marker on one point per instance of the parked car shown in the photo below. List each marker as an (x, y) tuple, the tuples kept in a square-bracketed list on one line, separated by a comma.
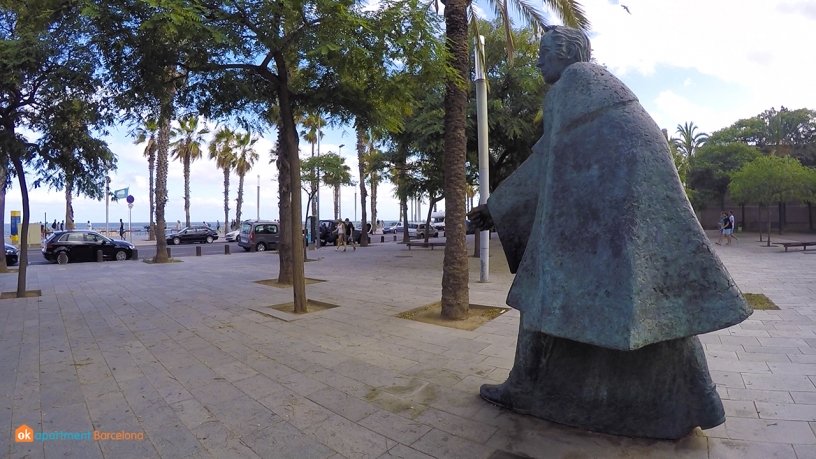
[(421, 231), (12, 255), (390, 228), (329, 237), (412, 229), (259, 234), (79, 245), (232, 236), (193, 234)]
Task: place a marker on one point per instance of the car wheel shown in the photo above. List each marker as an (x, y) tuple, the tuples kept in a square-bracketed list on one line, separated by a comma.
[(62, 258), (121, 255), (176, 241), (261, 247), (209, 239)]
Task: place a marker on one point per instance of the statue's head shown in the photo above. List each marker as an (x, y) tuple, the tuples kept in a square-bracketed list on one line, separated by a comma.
[(561, 47)]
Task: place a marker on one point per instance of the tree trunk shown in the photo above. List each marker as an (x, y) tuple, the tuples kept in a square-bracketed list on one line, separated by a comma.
[(336, 202), (477, 246), (3, 178), (289, 147), (374, 180), (69, 206), (162, 150), (286, 271), (769, 226), (810, 215), (363, 193), (455, 295), (759, 221), (186, 162), (314, 185), (226, 200), (21, 272), (239, 201), (743, 222), (151, 164)]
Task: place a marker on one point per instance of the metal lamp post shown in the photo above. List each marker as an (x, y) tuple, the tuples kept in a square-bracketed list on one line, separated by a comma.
[(340, 189), (484, 190), (258, 208)]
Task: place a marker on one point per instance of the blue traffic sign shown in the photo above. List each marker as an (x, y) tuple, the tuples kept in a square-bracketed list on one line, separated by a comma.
[(130, 199)]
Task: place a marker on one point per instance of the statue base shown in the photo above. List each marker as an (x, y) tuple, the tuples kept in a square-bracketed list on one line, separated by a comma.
[(661, 391)]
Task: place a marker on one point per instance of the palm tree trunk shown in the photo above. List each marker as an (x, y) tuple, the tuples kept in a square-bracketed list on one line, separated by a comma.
[(769, 225), (162, 151), (21, 272), (69, 204), (3, 178), (151, 163), (226, 200), (187, 188), (455, 295), (374, 180), (314, 188), (239, 202), (361, 167)]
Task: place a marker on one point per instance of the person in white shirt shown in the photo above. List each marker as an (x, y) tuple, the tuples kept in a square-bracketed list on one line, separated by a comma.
[(90, 227)]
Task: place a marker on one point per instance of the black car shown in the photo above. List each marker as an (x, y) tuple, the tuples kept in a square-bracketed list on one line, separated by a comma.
[(83, 245), (193, 234), (329, 237), (12, 255)]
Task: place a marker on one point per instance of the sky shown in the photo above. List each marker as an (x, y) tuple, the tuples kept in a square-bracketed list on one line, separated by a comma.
[(707, 62)]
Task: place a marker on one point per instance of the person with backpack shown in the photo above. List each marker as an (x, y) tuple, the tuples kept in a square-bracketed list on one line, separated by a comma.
[(350, 233)]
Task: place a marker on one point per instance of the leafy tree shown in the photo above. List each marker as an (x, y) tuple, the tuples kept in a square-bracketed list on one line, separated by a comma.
[(689, 140), (781, 132), (245, 158), (514, 101), (147, 134), (375, 171), (187, 148), (221, 150), (770, 179), (48, 79), (336, 173), (711, 167)]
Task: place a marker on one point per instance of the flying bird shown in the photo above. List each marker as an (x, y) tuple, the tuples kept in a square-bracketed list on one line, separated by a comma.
[(626, 8)]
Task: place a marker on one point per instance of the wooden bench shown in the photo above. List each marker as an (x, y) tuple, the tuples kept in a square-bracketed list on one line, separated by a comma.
[(425, 244), (804, 245)]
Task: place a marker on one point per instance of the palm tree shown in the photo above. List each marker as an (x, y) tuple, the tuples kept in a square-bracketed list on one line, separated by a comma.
[(313, 123), (336, 174), (186, 149), (375, 173), (245, 157), (221, 150), (455, 298), (689, 141), (143, 134)]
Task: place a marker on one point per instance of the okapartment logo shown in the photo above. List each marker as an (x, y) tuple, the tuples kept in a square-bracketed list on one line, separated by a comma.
[(25, 434)]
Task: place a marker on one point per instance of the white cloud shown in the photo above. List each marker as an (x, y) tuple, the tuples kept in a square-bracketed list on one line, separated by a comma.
[(687, 82)]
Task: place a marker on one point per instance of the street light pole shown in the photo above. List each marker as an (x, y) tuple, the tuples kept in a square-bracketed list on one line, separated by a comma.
[(258, 208), (107, 203), (340, 188), (484, 191)]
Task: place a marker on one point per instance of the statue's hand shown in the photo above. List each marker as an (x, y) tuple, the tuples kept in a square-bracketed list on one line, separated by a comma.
[(480, 217)]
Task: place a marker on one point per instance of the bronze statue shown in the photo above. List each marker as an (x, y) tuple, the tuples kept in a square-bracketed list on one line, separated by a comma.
[(614, 275)]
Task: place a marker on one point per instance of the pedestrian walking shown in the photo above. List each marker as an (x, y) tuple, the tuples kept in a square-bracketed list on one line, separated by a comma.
[(731, 217), (178, 225), (217, 226), (121, 229), (350, 233), (206, 225), (62, 225), (90, 226), (341, 235), (54, 225), (721, 226)]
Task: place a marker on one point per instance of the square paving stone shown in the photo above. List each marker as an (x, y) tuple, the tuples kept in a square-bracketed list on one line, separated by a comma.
[(284, 441), (441, 444), (721, 448), (349, 439), (769, 430), (395, 427), (343, 404), (221, 442)]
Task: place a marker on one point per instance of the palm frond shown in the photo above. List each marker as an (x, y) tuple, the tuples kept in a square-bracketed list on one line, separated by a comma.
[(570, 11)]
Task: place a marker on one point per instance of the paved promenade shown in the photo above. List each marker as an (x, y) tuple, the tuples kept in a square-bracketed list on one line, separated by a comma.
[(175, 352)]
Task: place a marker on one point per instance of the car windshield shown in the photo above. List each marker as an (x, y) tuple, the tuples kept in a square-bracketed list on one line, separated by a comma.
[(246, 228)]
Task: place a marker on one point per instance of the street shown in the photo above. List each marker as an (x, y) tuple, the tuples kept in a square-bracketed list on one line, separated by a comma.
[(148, 251)]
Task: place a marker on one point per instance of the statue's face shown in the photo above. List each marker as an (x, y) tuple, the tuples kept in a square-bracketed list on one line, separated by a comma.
[(549, 63)]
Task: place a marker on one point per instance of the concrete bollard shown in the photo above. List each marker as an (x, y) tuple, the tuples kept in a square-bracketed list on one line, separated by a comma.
[(134, 254), (395, 238), (382, 238), (198, 251), (226, 249), (99, 257), (169, 255)]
